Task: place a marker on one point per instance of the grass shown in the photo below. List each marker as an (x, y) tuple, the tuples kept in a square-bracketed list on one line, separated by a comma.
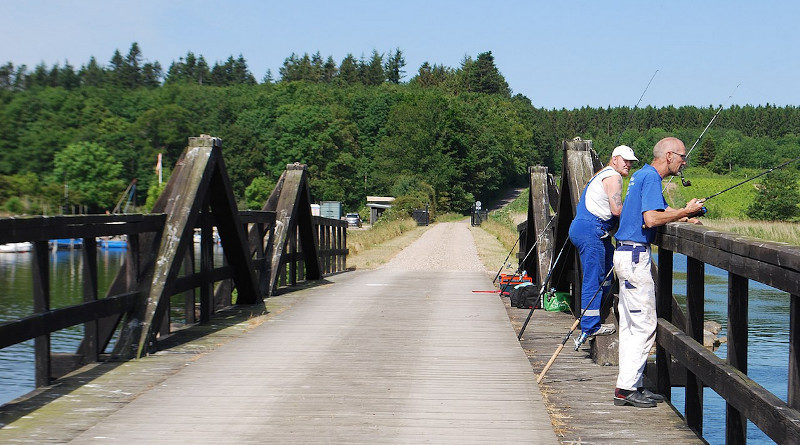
[(449, 217), (786, 232)]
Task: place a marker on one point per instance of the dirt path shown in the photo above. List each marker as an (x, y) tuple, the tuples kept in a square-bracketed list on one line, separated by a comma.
[(443, 247)]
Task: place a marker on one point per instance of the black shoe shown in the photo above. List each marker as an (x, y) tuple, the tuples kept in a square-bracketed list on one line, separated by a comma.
[(633, 398), (658, 398)]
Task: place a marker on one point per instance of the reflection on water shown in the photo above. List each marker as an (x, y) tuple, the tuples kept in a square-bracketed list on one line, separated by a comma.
[(66, 289), (767, 349)]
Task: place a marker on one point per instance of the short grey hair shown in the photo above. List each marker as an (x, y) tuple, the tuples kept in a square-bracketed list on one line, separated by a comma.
[(665, 145)]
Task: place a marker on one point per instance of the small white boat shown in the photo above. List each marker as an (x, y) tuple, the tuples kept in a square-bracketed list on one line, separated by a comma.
[(16, 247)]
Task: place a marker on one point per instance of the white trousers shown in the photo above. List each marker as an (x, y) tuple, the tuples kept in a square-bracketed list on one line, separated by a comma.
[(637, 314)]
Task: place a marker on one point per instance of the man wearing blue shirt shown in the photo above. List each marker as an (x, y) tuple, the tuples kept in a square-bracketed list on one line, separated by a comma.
[(644, 209)]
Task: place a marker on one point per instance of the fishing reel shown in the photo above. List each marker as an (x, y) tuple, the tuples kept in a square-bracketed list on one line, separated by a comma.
[(685, 182), (703, 210)]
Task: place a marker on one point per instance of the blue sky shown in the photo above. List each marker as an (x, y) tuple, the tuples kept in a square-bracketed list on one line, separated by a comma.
[(557, 53)]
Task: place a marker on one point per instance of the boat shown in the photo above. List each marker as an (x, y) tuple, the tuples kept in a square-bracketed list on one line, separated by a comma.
[(112, 244), (16, 247), (66, 243)]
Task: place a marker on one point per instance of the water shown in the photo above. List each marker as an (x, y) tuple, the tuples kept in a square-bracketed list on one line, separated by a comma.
[(66, 289), (767, 349)]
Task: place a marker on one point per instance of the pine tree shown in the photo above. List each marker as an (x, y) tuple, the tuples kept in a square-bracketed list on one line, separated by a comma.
[(202, 73), (132, 68), (348, 70), (151, 74), (67, 77), (7, 76), (241, 72), (484, 77), (394, 66), (373, 71), (329, 70), (268, 77), (117, 68)]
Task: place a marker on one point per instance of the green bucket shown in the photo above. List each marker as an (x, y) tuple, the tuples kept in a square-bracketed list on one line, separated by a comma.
[(556, 301)]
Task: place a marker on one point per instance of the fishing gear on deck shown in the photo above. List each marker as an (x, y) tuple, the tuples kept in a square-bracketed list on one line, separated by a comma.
[(685, 182), (542, 289), (572, 329), (521, 263)]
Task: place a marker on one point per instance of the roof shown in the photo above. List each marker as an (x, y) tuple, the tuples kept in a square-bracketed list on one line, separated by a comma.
[(380, 199)]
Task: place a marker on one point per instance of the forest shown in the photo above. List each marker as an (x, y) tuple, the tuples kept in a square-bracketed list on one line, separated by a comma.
[(440, 135)]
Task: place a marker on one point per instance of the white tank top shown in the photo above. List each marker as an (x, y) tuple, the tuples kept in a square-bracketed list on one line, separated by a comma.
[(596, 196)]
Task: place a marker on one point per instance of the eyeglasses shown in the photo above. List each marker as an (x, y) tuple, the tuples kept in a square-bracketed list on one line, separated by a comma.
[(683, 156)]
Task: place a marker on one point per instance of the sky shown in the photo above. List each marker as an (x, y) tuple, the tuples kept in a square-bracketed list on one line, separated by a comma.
[(560, 54)]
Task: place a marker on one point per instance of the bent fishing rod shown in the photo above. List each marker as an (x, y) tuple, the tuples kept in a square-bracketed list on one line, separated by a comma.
[(573, 328), (685, 182), (542, 289)]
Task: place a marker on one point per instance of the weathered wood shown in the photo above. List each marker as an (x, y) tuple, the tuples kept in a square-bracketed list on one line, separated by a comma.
[(736, 422), (540, 229), (292, 204), (44, 228), (206, 265), (43, 323), (769, 413), (41, 305), (695, 316), (89, 274), (793, 396), (664, 301), (785, 279)]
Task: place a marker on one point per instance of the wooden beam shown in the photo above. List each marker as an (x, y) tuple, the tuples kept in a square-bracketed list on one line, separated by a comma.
[(736, 422)]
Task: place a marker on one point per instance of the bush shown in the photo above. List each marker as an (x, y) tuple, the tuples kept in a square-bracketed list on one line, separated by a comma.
[(777, 197), (257, 193), (14, 205)]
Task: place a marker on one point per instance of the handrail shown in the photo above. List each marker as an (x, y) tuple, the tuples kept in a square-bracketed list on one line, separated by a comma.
[(774, 264)]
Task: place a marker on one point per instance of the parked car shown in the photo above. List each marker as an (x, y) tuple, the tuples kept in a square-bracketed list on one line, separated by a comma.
[(353, 220)]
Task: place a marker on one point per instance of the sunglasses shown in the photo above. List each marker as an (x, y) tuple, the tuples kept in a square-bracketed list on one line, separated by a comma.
[(683, 156)]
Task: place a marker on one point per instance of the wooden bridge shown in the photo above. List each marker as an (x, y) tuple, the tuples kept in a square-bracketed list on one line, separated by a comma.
[(279, 346)]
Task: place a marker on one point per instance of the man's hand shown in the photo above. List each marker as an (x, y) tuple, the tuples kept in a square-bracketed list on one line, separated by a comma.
[(693, 207)]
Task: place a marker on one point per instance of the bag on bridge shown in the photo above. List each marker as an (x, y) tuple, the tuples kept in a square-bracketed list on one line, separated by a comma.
[(556, 301), (523, 295)]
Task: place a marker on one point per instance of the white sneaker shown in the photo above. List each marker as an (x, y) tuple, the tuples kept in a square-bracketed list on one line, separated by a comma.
[(605, 329)]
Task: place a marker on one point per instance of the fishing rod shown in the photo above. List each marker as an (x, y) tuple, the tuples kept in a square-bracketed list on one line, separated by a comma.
[(572, 329), (529, 251), (630, 115), (505, 261), (542, 289), (522, 263), (750, 179), (685, 182)]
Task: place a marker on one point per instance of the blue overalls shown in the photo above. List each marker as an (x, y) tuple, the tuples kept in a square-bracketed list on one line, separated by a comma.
[(590, 235)]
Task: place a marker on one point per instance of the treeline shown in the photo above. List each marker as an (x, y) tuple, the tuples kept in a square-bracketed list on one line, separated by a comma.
[(446, 136)]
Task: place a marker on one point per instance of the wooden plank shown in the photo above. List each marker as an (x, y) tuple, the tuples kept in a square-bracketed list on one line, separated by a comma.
[(90, 328), (664, 310), (769, 413), (695, 315), (41, 304), (47, 228), (42, 324), (793, 395), (206, 265), (785, 279), (736, 422)]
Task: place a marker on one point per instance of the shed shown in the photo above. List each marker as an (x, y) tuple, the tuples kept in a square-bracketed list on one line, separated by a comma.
[(377, 205)]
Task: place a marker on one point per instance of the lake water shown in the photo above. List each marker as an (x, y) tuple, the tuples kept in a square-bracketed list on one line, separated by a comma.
[(768, 349)]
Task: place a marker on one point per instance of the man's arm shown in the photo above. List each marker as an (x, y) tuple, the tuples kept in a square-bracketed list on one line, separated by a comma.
[(654, 218), (613, 188)]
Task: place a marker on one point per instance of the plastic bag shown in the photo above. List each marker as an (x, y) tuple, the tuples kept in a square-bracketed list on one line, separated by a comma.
[(556, 301)]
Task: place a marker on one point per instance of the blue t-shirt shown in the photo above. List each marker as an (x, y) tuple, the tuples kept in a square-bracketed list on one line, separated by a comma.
[(644, 193)]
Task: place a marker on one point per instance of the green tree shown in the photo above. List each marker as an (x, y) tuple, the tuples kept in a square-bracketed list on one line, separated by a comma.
[(257, 193), (89, 169), (777, 198), (348, 70), (484, 77), (394, 66)]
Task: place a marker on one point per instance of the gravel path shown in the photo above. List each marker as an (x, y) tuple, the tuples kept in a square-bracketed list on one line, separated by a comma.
[(444, 247)]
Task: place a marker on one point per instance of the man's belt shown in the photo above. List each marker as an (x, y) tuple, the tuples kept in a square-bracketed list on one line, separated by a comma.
[(636, 249)]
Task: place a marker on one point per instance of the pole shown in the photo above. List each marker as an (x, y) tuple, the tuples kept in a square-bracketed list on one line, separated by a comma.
[(630, 115), (754, 177), (572, 329), (542, 289)]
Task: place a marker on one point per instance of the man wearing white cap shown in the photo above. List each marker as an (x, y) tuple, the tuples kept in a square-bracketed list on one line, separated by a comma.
[(597, 214)]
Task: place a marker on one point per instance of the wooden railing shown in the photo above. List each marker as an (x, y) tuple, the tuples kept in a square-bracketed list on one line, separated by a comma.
[(94, 310), (774, 264), (331, 237)]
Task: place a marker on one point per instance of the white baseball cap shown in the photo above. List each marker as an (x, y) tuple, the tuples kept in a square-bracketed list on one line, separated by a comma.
[(626, 153)]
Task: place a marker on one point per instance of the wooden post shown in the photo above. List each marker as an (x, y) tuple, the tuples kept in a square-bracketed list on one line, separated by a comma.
[(664, 310), (90, 329), (293, 257), (188, 296), (206, 264), (695, 275), (132, 258), (736, 422), (793, 399), (41, 303)]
